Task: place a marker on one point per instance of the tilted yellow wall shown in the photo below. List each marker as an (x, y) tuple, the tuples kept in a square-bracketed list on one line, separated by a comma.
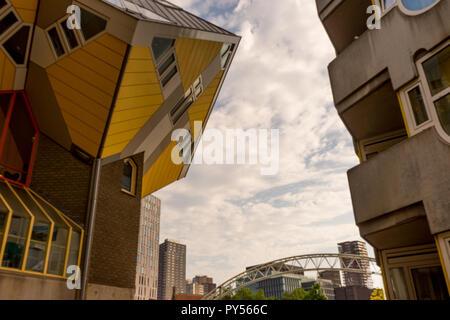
[(7, 72), (193, 57), (162, 173), (138, 99), (200, 108), (26, 9), (84, 83)]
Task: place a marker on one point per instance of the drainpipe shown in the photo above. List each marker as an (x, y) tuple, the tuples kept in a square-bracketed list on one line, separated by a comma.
[(94, 185), (92, 210)]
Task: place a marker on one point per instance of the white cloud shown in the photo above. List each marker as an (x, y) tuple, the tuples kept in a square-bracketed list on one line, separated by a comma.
[(231, 217)]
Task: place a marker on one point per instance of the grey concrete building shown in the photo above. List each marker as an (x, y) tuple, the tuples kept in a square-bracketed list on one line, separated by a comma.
[(391, 88), (172, 269)]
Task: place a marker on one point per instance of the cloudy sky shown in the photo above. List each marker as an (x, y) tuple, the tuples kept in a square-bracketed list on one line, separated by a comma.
[(231, 217)]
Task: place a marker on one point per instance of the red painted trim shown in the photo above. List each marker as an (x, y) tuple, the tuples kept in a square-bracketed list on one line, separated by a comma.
[(12, 181), (7, 121), (12, 168), (12, 105)]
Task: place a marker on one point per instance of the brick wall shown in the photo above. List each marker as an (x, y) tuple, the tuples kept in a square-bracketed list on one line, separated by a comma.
[(62, 179), (116, 234)]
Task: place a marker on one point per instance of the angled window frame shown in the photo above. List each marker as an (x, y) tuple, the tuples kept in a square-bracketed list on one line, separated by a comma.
[(134, 167), (12, 28), (409, 113), (428, 97), (28, 50), (401, 6), (173, 82), (79, 31), (60, 36), (64, 39)]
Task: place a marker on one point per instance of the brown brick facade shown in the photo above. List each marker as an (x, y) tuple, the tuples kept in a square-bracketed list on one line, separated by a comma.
[(62, 179), (114, 248)]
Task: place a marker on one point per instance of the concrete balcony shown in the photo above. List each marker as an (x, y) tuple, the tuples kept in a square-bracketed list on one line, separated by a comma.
[(343, 20), (394, 47), (402, 195)]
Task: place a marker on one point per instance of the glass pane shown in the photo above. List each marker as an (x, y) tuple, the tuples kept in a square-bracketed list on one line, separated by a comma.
[(39, 234), (91, 25), (70, 36), (127, 176), (19, 142), (437, 71), (166, 64), (415, 5), (56, 42), (74, 248), (399, 288), (7, 22), (17, 45), (18, 231), (169, 76), (59, 241), (429, 283), (2, 3), (160, 46), (3, 218), (418, 105), (443, 110)]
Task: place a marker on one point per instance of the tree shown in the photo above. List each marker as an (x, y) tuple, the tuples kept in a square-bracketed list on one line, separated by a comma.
[(298, 294), (377, 294)]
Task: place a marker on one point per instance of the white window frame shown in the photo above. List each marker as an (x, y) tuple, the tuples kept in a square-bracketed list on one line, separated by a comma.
[(399, 3), (133, 178), (13, 27), (10, 34), (409, 114), (81, 35), (430, 100), (61, 36), (65, 40)]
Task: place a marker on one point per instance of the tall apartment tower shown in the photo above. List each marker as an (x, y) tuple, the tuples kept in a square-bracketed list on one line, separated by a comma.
[(205, 281), (391, 87), (148, 250), (351, 278), (172, 269)]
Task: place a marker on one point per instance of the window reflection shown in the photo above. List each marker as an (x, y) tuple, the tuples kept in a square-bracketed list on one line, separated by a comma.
[(398, 282), (416, 5)]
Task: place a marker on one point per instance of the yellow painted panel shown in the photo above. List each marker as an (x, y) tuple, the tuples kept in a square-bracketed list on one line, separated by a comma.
[(132, 79), (8, 73), (100, 51), (83, 101), (105, 70), (139, 101), (84, 84), (201, 107), (193, 57), (139, 98), (90, 76), (113, 43), (126, 126), (138, 91), (162, 173), (26, 9), (141, 53)]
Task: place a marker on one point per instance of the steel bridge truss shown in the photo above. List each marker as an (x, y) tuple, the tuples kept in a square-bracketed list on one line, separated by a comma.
[(296, 265)]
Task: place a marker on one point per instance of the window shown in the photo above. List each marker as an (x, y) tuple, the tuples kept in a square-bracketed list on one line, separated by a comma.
[(17, 45), (18, 140), (91, 24), (129, 177), (416, 5), (226, 53), (56, 42), (70, 36), (160, 46), (418, 105), (411, 7), (429, 283), (7, 22)]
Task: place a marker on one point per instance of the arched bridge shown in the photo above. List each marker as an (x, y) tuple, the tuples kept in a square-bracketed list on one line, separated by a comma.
[(297, 264)]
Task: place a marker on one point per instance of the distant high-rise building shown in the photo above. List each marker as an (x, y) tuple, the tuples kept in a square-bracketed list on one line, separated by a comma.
[(148, 250), (334, 276), (326, 286), (354, 278), (172, 269), (193, 288), (206, 282)]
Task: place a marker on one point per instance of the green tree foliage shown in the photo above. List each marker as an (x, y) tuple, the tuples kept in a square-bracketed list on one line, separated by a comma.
[(298, 294)]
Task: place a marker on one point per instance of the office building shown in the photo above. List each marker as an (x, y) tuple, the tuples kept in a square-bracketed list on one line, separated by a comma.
[(88, 104), (148, 250), (172, 269), (352, 278), (391, 88), (206, 282), (193, 288)]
